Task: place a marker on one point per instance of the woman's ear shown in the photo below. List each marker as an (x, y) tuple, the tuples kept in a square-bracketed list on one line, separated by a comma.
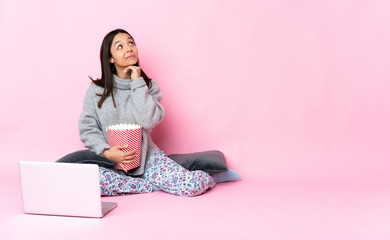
[(112, 60)]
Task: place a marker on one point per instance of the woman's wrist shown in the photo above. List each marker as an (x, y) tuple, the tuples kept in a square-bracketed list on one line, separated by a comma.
[(105, 153)]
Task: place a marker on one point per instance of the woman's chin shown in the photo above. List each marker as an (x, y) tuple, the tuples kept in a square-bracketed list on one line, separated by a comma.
[(131, 62)]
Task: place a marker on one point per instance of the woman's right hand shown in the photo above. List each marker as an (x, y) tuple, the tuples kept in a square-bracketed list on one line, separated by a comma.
[(119, 157)]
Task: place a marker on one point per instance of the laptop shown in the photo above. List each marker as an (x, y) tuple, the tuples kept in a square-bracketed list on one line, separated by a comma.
[(63, 189)]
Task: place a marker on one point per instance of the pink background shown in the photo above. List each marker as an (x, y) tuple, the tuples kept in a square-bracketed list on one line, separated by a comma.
[(296, 91), (286, 89)]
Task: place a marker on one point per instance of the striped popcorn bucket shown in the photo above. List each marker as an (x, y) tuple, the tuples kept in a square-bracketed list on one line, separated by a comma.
[(126, 134)]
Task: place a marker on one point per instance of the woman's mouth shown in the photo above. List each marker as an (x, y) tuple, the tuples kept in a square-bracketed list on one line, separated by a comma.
[(130, 57)]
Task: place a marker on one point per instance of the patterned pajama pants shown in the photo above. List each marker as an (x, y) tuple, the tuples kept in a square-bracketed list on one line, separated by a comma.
[(159, 171)]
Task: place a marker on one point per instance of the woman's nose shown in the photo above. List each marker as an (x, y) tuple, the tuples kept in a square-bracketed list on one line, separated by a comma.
[(129, 48)]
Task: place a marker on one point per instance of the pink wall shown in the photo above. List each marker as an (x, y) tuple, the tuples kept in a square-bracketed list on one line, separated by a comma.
[(297, 90)]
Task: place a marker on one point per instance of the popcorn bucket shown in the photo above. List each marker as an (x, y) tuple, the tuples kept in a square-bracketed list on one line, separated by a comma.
[(126, 134)]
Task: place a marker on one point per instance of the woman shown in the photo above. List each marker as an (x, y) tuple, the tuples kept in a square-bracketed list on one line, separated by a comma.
[(125, 94)]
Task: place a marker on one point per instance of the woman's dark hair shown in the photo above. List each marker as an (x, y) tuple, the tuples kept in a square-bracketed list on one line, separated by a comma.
[(108, 69)]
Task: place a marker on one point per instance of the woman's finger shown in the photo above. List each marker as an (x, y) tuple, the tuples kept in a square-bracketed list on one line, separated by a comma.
[(121, 147), (122, 167), (133, 152), (127, 155), (128, 69), (129, 161), (131, 157)]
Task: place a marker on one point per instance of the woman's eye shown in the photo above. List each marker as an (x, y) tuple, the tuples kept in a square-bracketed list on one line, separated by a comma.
[(131, 43), (120, 47)]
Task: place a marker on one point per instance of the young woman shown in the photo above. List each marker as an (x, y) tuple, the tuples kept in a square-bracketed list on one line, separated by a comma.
[(125, 94)]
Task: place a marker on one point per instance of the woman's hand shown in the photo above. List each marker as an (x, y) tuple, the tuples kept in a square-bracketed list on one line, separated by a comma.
[(115, 154), (135, 72)]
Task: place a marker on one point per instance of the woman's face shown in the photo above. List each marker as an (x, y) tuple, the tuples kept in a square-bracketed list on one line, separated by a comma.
[(124, 52)]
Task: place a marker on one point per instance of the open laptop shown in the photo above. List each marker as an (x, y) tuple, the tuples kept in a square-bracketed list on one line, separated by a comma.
[(64, 189)]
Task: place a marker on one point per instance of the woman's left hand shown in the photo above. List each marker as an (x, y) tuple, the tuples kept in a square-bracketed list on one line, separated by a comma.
[(135, 72)]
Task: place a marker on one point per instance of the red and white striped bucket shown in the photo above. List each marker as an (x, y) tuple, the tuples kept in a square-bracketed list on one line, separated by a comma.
[(126, 134)]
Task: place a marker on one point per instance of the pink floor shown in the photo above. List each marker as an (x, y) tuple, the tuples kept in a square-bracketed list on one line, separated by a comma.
[(248, 209)]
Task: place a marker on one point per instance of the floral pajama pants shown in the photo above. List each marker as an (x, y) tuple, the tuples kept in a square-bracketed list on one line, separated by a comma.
[(160, 171)]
